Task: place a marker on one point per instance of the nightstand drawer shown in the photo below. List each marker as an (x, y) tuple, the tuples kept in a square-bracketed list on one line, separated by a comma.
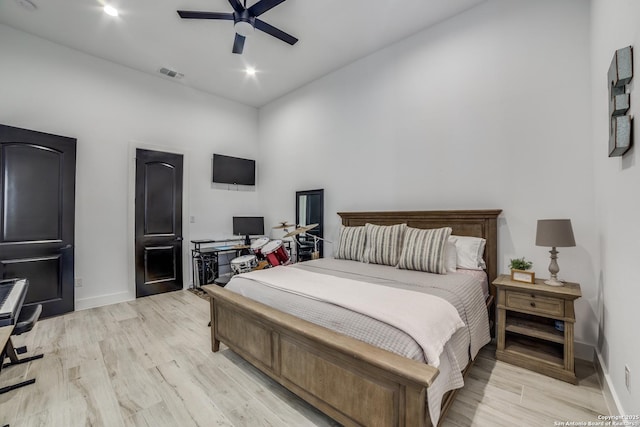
[(535, 303)]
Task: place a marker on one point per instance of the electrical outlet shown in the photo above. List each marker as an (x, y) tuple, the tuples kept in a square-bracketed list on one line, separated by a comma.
[(78, 282), (192, 219), (627, 377)]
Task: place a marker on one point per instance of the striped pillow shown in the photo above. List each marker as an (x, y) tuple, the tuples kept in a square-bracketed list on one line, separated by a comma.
[(384, 243), (351, 244), (423, 250)]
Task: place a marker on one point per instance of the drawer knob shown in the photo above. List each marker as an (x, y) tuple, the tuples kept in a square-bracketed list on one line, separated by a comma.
[(533, 296), (533, 304)]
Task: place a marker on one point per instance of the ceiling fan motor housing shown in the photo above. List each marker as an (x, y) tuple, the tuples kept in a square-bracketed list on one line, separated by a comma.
[(243, 22)]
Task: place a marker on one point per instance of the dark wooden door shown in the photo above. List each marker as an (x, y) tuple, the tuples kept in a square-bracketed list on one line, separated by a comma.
[(37, 186), (158, 222)]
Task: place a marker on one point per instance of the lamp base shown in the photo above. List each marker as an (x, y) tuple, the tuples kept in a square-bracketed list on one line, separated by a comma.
[(553, 282)]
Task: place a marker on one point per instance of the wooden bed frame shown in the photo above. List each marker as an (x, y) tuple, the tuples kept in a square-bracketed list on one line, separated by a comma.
[(351, 381)]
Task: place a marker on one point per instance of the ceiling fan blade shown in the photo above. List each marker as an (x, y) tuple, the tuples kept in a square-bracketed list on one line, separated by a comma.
[(263, 6), (271, 30), (238, 44), (236, 5), (187, 14)]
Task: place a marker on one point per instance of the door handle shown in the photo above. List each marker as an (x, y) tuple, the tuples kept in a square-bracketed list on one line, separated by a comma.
[(66, 247), (178, 239)]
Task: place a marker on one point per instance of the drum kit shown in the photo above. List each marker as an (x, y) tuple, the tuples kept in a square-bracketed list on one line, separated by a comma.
[(268, 253), (300, 230)]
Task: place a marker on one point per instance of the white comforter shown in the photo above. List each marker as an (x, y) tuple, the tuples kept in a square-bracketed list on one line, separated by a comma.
[(407, 310)]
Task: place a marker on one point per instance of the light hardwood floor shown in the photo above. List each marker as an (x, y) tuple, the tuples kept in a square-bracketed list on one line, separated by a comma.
[(148, 363)]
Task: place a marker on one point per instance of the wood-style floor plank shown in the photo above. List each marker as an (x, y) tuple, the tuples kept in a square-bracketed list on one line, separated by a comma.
[(148, 362)]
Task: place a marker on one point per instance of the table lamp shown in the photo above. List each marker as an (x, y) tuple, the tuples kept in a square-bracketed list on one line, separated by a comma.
[(554, 233)]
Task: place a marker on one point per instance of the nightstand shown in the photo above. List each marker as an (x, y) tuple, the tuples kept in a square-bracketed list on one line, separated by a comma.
[(527, 315)]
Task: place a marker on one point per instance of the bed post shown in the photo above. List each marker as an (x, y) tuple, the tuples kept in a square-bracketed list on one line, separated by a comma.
[(415, 408)]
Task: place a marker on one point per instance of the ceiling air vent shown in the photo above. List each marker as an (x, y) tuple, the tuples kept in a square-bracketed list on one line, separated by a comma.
[(171, 73)]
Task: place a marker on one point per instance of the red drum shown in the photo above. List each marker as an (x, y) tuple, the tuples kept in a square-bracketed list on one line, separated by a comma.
[(257, 245), (276, 253)]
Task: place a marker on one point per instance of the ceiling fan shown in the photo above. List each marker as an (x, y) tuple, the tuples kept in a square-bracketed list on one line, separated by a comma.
[(245, 20)]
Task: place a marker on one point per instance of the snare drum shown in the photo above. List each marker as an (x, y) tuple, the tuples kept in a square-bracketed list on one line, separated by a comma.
[(243, 264), (257, 245), (276, 253)]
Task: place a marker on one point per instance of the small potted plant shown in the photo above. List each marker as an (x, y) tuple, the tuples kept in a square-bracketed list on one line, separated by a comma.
[(519, 273)]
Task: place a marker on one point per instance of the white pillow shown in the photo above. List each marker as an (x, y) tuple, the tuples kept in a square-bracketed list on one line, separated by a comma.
[(469, 251), (450, 256)]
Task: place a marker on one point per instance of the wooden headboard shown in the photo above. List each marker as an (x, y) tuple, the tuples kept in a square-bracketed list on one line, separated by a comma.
[(475, 223)]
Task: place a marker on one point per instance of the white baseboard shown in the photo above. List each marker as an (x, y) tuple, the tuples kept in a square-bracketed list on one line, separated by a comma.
[(85, 303), (588, 352), (609, 393), (584, 351)]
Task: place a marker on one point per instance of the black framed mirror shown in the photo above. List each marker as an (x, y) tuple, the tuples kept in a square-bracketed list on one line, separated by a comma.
[(310, 210)]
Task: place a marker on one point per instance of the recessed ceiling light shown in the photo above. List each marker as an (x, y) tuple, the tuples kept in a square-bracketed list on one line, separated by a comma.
[(110, 10), (250, 71)]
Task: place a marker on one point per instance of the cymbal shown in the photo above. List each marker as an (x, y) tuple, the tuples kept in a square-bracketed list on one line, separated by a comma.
[(300, 230), (283, 224), (294, 232)]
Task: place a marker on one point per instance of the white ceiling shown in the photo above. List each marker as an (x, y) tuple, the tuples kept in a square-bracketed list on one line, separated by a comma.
[(148, 35)]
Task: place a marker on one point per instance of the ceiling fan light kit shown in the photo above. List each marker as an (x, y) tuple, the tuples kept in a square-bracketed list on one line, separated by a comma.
[(242, 23), (243, 28), (245, 21)]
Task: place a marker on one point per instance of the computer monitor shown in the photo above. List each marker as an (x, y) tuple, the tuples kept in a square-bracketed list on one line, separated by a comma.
[(248, 226)]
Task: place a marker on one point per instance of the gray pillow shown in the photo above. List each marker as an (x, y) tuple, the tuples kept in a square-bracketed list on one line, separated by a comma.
[(351, 243), (424, 250), (384, 243)]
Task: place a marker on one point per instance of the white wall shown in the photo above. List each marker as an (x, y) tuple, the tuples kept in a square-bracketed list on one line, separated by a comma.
[(110, 109), (614, 26), (489, 109)]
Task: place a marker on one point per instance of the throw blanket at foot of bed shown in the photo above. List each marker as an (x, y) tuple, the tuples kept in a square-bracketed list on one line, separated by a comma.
[(428, 319)]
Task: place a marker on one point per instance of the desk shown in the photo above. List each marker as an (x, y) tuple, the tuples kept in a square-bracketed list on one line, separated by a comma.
[(206, 253), (205, 260)]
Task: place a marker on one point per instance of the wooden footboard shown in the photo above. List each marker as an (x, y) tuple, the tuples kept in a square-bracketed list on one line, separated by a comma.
[(353, 382)]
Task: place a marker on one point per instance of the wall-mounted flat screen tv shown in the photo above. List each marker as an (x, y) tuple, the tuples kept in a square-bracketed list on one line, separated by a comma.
[(233, 170)]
